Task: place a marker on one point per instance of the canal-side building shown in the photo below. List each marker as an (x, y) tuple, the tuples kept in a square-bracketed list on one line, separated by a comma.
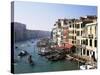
[(75, 31), (80, 33), (78, 38), (72, 35), (87, 40), (90, 48), (60, 33), (53, 35)]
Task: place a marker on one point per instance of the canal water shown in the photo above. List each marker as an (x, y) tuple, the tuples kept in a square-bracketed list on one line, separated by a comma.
[(41, 63)]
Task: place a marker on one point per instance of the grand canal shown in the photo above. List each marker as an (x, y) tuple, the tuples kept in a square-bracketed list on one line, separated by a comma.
[(41, 63)]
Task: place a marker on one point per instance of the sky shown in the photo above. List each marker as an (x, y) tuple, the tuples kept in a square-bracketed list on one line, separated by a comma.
[(42, 16)]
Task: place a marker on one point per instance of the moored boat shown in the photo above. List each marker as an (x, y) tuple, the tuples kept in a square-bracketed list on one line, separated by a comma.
[(23, 53), (86, 67)]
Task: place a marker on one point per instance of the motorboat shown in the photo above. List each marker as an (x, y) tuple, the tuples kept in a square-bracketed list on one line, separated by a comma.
[(43, 52), (23, 53), (85, 67), (16, 47)]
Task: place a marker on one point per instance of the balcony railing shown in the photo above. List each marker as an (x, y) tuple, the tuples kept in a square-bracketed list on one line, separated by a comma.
[(90, 35)]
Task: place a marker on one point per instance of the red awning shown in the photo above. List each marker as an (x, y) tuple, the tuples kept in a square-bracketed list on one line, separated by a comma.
[(68, 45)]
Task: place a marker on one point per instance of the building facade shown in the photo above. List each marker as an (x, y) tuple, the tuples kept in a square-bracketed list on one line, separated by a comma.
[(80, 33), (87, 39), (60, 32), (89, 48)]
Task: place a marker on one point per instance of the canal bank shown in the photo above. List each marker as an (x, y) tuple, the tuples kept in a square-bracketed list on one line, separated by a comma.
[(41, 64)]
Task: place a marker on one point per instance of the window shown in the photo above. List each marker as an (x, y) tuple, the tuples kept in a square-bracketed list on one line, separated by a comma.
[(95, 29), (61, 37), (78, 33), (73, 25), (84, 51), (90, 42), (73, 42), (65, 21), (81, 51), (86, 41), (73, 31), (77, 26), (72, 37), (59, 25), (82, 25), (70, 26), (75, 37), (81, 33), (90, 30), (78, 42), (69, 22), (87, 52), (95, 43)]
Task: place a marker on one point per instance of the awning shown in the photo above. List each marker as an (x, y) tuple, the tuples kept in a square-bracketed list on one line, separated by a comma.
[(60, 47), (68, 45)]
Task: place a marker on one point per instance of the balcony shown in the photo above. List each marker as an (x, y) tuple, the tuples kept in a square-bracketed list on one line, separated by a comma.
[(83, 46), (90, 35)]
